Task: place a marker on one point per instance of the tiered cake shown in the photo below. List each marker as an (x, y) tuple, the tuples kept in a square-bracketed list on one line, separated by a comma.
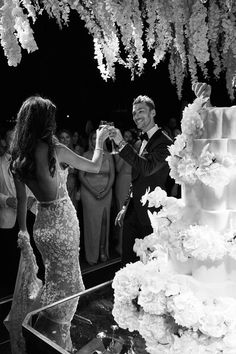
[(181, 295), (215, 207)]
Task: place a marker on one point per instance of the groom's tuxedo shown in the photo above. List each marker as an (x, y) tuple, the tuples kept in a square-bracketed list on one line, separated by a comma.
[(149, 169)]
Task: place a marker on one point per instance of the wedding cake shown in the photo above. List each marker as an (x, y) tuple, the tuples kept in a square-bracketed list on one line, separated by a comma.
[(181, 295)]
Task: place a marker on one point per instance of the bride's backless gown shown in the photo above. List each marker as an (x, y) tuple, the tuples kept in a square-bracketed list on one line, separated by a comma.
[(57, 235)]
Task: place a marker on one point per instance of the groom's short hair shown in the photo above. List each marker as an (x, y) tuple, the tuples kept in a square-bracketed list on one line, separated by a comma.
[(144, 99)]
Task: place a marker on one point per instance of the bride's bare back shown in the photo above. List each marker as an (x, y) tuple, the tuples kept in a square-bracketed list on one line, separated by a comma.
[(46, 187)]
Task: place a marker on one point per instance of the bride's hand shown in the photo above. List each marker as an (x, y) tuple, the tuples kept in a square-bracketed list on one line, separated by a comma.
[(102, 134)]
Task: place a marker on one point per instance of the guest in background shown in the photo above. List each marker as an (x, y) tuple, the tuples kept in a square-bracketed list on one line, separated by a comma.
[(77, 145), (75, 138), (123, 180), (96, 197), (2, 142), (65, 137), (89, 128), (8, 224), (131, 136), (172, 128)]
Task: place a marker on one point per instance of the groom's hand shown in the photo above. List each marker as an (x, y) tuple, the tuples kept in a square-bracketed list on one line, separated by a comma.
[(116, 135)]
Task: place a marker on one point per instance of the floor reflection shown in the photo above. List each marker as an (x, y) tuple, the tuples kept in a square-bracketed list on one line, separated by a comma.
[(94, 328)]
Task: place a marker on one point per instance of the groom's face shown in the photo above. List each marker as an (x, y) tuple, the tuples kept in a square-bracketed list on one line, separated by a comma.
[(143, 116)]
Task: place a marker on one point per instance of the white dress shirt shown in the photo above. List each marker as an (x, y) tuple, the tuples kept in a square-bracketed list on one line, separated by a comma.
[(150, 133)]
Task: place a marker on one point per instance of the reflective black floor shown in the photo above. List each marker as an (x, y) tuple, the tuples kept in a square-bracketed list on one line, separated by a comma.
[(92, 276)]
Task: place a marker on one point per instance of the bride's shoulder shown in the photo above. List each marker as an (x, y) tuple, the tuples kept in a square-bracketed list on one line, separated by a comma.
[(41, 149), (59, 146), (61, 149)]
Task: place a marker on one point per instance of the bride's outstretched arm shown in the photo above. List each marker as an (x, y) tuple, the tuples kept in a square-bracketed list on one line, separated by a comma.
[(81, 163)]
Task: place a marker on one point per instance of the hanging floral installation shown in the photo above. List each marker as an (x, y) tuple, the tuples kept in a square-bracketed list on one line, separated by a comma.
[(192, 35)]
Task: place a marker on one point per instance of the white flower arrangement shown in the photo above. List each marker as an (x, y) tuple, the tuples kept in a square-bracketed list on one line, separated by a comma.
[(167, 313), (201, 242), (168, 309), (149, 248), (212, 170), (173, 231)]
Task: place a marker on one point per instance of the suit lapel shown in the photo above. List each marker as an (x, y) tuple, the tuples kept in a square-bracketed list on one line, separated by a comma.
[(139, 146), (155, 136)]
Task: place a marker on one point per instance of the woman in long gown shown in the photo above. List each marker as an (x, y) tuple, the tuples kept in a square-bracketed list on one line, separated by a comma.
[(36, 162), (123, 181), (65, 137), (96, 197)]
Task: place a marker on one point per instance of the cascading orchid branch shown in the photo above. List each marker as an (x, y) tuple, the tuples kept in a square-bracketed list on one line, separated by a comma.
[(192, 34)]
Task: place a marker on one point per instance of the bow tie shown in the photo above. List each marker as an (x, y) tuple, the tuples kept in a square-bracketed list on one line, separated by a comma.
[(144, 136)]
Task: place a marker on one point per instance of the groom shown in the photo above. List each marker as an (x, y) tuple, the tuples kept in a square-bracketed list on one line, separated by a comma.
[(149, 169)]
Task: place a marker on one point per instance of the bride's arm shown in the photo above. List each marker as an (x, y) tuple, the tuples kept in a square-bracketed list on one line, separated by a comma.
[(21, 204), (81, 163)]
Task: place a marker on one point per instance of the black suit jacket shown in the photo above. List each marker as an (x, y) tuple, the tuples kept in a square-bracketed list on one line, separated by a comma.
[(148, 170)]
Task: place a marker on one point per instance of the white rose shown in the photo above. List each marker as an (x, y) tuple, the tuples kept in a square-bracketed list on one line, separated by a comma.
[(212, 323), (154, 328), (186, 309), (151, 302), (126, 316)]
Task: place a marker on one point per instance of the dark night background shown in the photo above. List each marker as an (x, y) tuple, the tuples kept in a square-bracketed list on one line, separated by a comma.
[(64, 70)]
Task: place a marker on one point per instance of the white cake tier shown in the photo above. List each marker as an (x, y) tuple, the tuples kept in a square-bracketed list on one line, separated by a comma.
[(218, 275), (179, 267), (207, 278), (208, 290), (210, 271), (222, 198), (217, 146), (219, 122), (201, 196), (231, 269), (209, 199), (218, 220), (214, 208), (205, 197)]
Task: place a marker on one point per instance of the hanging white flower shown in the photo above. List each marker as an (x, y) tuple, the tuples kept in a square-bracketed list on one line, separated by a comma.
[(188, 32)]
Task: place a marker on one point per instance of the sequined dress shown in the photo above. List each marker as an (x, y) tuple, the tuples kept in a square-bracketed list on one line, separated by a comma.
[(57, 235)]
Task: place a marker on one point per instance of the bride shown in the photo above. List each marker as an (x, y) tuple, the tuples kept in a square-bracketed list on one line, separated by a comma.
[(37, 162)]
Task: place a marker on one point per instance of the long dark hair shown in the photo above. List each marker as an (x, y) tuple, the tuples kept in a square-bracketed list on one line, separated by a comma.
[(35, 121)]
